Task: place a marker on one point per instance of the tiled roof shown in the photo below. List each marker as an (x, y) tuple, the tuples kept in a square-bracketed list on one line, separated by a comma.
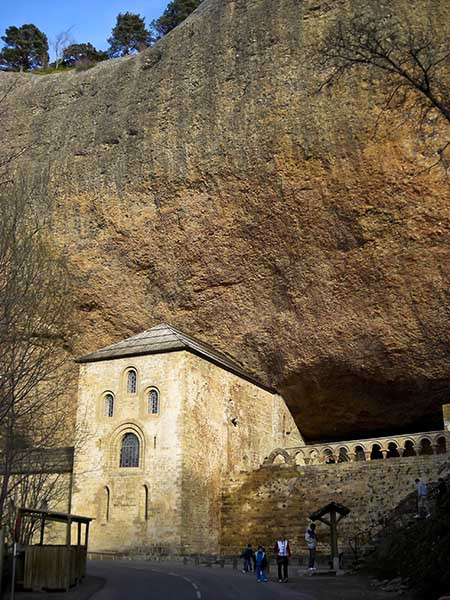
[(165, 338)]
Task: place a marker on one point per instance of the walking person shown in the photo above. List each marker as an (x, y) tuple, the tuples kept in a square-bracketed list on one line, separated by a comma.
[(311, 542), (422, 500), (260, 565), (283, 552), (247, 555)]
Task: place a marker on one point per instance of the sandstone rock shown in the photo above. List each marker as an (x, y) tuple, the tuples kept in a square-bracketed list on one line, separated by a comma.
[(205, 183)]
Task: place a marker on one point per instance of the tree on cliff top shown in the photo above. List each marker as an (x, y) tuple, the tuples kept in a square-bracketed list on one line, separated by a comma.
[(176, 12), (26, 48), (414, 64), (128, 35), (82, 53)]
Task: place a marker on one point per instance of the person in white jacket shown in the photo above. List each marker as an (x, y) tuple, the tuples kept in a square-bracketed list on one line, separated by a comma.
[(311, 542)]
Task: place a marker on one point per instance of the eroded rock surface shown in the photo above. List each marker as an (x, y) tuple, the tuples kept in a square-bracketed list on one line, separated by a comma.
[(206, 184)]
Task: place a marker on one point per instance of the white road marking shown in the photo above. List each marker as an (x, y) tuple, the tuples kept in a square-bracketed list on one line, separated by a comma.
[(198, 595)]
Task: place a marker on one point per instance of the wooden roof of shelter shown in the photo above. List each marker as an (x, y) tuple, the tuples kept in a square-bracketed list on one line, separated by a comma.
[(50, 515), (332, 506), (165, 338)]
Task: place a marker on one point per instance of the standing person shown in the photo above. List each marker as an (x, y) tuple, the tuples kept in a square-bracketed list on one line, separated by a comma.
[(260, 565), (311, 542), (283, 552), (247, 555), (422, 499)]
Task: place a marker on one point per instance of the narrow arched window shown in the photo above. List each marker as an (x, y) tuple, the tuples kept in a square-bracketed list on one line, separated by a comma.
[(145, 502), (129, 451), (109, 405), (153, 402), (131, 381), (107, 497)]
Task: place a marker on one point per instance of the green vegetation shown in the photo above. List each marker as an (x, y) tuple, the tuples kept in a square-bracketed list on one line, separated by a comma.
[(176, 12), (76, 54), (417, 552), (129, 35), (26, 48)]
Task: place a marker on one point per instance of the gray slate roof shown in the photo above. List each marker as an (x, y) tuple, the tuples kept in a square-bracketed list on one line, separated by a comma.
[(165, 338)]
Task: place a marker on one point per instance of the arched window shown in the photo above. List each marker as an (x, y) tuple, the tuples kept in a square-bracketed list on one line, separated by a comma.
[(409, 449), (131, 381), (107, 499), (145, 502), (328, 457), (376, 453), (392, 450), (129, 451), (440, 445), (359, 453), (343, 455), (109, 405), (153, 402), (425, 447)]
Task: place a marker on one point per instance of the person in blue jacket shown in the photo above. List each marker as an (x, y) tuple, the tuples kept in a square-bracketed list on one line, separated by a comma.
[(260, 565)]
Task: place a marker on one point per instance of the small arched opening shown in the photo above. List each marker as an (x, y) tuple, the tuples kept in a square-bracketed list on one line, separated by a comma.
[(425, 447), (409, 449), (343, 455), (328, 457), (359, 453), (376, 453), (441, 446), (392, 451)]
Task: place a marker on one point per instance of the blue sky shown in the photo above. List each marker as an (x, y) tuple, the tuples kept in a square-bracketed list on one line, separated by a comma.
[(92, 20)]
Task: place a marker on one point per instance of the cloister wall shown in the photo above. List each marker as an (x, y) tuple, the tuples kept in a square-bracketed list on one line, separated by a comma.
[(257, 506)]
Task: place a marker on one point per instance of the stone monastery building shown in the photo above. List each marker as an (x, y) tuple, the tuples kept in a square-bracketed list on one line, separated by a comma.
[(167, 417)]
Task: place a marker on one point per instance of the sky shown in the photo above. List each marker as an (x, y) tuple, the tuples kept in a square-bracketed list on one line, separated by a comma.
[(91, 20)]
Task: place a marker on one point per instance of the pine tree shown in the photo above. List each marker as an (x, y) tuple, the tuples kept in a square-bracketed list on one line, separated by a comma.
[(26, 48), (175, 13), (129, 35), (82, 53)]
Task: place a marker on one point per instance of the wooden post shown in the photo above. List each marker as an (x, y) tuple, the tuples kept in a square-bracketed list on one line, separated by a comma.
[(69, 530), (79, 534), (334, 544), (41, 540), (87, 534)]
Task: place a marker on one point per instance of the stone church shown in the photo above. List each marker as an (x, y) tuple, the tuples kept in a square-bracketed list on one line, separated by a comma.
[(166, 418)]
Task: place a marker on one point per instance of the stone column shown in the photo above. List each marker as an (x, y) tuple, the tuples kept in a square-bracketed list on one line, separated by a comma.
[(446, 419)]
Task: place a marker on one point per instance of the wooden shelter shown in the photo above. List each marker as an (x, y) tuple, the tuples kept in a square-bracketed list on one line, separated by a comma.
[(336, 512), (55, 566)]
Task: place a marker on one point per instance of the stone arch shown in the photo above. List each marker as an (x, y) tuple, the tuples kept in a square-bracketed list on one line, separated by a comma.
[(359, 451), (106, 504), (409, 448), (313, 457), (343, 454), (441, 445), (130, 374), (425, 446), (376, 451), (327, 456), (299, 458), (115, 443), (277, 457), (392, 450), (144, 501)]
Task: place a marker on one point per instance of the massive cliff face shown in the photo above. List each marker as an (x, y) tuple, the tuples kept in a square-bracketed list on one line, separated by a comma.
[(205, 183)]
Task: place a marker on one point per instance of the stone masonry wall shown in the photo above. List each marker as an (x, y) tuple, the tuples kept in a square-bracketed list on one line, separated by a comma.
[(229, 424), (258, 506), (135, 508)]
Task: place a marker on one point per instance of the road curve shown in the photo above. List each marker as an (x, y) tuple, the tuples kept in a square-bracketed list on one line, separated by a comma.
[(139, 580)]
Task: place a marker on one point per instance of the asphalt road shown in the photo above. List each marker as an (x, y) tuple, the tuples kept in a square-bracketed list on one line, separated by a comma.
[(126, 580)]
